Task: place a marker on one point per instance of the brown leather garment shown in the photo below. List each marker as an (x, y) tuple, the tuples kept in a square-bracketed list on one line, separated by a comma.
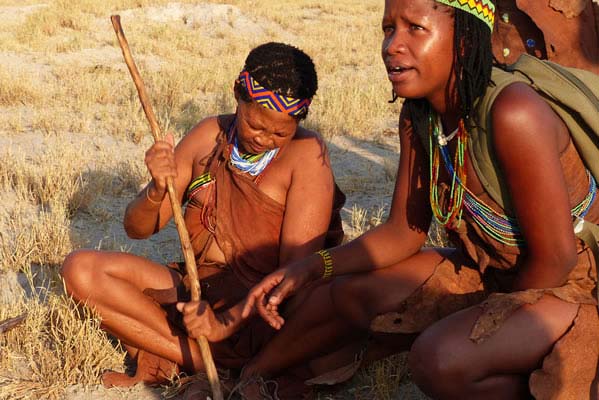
[(482, 273), (563, 31), (246, 223)]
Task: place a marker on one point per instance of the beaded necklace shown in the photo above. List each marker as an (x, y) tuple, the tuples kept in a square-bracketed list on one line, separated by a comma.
[(458, 175), (253, 164), (504, 228), (500, 227)]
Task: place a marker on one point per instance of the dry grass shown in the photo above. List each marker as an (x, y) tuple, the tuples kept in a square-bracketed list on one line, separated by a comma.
[(197, 63), (65, 89), (15, 89), (57, 345)]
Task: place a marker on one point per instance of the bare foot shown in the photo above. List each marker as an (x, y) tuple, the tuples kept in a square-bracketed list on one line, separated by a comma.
[(151, 370)]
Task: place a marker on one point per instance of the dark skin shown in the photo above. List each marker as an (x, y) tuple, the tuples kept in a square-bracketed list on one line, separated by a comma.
[(380, 269), (113, 282)]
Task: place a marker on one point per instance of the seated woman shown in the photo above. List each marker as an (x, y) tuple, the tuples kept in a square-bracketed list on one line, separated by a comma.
[(260, 194), (511, 310)]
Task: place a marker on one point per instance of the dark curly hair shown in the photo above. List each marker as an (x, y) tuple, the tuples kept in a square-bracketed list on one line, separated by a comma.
[(473, 61), (283, 69)]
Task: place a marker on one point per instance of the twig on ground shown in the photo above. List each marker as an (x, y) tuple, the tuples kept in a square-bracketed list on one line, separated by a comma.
[(10, 323)]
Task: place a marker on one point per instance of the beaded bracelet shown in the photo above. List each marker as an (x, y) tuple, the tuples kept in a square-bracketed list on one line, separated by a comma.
[(328, 263), (149, 198)]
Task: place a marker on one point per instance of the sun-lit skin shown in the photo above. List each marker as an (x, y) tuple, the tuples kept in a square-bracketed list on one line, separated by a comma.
[(260, 129), (417, 50), (378, 271), (300, 172)]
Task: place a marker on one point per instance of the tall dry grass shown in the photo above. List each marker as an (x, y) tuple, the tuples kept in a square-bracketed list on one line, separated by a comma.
[(58, 344), (67, 101)]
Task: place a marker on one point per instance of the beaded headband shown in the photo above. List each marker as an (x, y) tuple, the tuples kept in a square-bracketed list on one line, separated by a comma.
[(271, 100), (481, 9)]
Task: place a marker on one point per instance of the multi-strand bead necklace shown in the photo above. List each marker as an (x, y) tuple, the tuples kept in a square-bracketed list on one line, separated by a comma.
[(457, 175), (499, 226)]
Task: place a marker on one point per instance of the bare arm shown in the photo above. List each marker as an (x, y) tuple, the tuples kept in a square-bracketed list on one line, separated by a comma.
[(528, 137), (402, 235), (309, 201), (404, 232), (150, 211)]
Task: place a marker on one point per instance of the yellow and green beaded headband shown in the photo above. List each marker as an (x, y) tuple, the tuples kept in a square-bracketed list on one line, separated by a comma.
[(481, 9)]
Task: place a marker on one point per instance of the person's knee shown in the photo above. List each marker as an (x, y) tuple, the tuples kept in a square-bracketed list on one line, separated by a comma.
[(349, 297), (77, 272), (436, 366)]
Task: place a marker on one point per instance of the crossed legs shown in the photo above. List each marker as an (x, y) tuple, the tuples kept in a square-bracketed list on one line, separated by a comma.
[(112, 283)]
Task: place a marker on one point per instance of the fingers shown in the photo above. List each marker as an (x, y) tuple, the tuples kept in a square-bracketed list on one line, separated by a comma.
[(170, 138), (160, 160), (196, 318), (257, 293), (256, 300), (189, 308), (270, 314), (280, 293)]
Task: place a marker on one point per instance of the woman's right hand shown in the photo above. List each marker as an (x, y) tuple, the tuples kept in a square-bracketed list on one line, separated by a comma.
[(269, 293), (160, 160)]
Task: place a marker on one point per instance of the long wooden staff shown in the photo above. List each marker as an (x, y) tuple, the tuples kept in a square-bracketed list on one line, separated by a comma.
[(190, 264)]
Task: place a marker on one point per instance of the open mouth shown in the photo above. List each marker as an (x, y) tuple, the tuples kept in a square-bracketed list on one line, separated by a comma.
[(398, 73), (397, 69)]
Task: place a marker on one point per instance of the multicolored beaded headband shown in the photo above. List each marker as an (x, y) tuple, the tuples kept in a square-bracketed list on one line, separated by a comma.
[(481, 9), (271, 100)]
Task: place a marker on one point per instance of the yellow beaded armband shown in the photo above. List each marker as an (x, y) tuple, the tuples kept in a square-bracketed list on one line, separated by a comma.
[(328, 263)]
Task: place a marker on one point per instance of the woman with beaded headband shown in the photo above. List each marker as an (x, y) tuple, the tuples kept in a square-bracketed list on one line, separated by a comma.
[(509, 311), (246, 179)]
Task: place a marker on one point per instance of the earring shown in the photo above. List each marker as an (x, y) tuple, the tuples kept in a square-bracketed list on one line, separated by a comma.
[(394, 97)]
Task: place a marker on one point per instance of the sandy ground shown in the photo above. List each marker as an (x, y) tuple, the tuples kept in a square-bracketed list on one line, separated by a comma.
[(364, 169)]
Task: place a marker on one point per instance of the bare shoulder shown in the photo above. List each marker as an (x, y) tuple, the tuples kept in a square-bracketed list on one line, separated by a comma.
[(521, 117), (308, 147), (203, 132), (201, 139)]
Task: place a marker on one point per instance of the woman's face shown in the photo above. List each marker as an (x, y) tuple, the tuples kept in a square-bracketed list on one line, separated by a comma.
[(418, 48), (260, 129)]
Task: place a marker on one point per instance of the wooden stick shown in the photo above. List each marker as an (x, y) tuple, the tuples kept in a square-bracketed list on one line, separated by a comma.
[(190, 264), (10, 323)]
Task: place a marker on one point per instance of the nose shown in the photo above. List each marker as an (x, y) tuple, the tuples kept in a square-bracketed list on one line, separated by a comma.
[(394, 44), (262, 140)]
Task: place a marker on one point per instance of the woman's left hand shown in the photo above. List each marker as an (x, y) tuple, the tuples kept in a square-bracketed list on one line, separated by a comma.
[(200, 320)]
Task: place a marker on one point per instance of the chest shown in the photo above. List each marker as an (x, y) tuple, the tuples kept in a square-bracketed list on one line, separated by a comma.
[(274, 181)]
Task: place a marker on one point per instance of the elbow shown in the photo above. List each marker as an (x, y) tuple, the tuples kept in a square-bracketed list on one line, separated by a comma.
[(132, 230), (569, 261), (566, 257), (133, 233)]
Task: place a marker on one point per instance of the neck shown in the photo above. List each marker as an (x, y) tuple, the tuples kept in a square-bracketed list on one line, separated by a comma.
[(445, 103)]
